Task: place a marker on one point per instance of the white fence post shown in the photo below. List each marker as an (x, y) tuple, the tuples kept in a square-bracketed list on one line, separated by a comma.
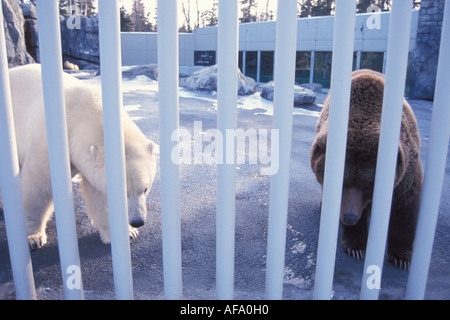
[(284, 76), (168, 115), (394, 88), (112, 99), (226, 172), (434, 172), (58, 149), (10, 187), (341, 73)]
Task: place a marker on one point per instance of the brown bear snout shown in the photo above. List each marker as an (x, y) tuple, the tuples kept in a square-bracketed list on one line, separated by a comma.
[(349, 219), (352, 206)]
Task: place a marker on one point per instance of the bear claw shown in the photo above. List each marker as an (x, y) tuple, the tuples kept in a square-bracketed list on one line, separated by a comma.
[(37, 241), (401, 263), (356, 253), (133, 233)]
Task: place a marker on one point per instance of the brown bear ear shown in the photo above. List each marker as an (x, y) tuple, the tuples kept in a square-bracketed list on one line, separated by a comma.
[(317, 156)]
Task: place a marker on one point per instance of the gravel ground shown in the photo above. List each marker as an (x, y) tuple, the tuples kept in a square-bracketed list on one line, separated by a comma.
[(198, 201)]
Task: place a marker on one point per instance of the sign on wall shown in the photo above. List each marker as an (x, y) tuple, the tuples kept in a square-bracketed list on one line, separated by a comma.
[(204, 58)]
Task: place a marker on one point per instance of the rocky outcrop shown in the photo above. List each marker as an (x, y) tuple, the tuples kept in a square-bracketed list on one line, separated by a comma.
[(148, 70), (206, 79), (16, 48), (424, 58), (80, 41), (301, 95)]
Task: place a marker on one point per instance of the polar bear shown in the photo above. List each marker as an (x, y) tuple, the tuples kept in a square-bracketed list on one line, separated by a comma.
[(86, 149)]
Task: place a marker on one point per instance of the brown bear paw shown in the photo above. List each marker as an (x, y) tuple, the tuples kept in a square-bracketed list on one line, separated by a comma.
[(357, 254), (356, 251), (401, 261)]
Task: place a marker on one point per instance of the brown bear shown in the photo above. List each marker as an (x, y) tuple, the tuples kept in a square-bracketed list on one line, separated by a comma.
[(359, 175)]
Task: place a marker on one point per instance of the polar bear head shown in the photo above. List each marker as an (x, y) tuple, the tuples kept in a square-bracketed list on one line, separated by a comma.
[(140, 169), (140, 159)]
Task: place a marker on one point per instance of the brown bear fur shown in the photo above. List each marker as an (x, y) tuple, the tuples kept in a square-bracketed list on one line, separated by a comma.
[(359, 174)]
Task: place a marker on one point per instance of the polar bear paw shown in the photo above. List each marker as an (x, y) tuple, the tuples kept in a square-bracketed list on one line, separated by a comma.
[(37, 241), (106, 237), (133, 233)]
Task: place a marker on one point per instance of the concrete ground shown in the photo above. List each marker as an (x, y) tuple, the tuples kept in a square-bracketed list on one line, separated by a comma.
[(198, 201)]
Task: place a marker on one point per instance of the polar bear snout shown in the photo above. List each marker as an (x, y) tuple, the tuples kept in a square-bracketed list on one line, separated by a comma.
[(136, 223), (137, 209)]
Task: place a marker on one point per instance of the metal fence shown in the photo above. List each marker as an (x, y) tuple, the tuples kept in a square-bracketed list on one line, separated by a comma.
[(285, 53)]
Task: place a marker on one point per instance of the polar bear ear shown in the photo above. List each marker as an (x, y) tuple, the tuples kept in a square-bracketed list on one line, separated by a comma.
[(97, 155), (153, 147)]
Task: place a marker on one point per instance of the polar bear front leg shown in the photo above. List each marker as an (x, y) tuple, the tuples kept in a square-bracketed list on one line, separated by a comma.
[(97, 208), (37, 201)]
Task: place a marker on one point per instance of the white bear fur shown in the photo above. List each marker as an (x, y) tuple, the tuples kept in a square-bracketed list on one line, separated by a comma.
[(85, 137)]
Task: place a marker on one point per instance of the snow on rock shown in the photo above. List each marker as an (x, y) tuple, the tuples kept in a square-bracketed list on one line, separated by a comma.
[(301, 95), (206, 79), (148, 70)]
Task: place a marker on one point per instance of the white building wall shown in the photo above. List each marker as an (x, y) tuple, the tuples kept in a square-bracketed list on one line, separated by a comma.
[(313, 34)]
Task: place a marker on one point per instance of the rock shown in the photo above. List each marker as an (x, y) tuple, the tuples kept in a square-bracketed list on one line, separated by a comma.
[(81, 42), (423, 70), (28, 10), (148, 70), (31, 30), (206, 79), (16, 49), (314, 87), (301, 95)]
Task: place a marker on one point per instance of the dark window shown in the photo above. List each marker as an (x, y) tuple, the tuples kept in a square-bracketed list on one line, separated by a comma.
[(303, 67), (251, 64), (266, 69)]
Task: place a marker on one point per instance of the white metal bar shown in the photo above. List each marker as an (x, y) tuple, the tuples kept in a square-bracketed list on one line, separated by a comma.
[(284, 76), (226, 120), (58, 147), (343, 45), (10, 187), (168, 114), (394, 88), (110, 63), (434, 172)]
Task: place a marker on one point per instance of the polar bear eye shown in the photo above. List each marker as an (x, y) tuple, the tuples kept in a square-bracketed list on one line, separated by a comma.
[(145, 190)]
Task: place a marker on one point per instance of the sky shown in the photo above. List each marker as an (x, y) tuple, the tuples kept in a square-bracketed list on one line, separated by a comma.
[(203, 6)]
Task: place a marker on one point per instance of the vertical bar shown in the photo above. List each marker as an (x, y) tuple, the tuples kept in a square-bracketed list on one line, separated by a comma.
[(435, 170), (341, 74), (311, 71), (258, 66), (58, 148), (394, 88), (168, 113), (285, 56), (110, 58), (244, 61), (10, 187), (226, 120), (358, 60)]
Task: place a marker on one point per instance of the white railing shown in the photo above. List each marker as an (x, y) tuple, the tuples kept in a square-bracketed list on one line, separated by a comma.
[(50, 47)]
